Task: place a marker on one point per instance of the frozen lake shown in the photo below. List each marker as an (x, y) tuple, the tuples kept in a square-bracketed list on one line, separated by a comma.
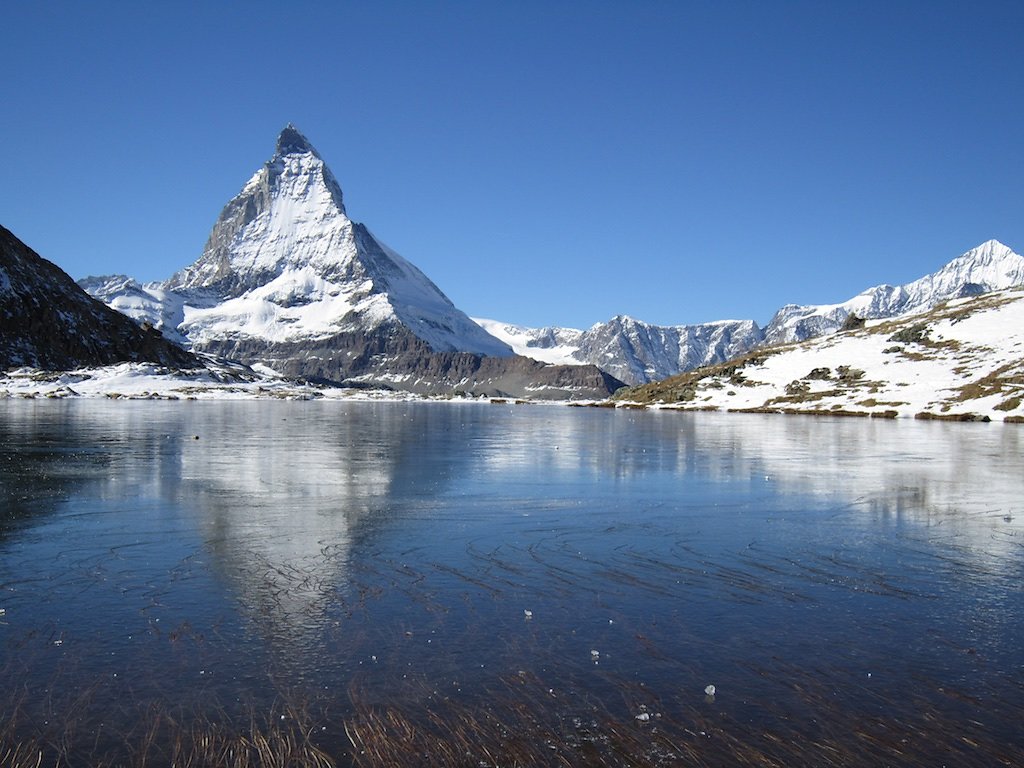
[(474, 584)]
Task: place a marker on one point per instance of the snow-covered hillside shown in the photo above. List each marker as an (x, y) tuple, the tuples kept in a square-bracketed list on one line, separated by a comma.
[(963, 359), (549, 345), (150, 304)]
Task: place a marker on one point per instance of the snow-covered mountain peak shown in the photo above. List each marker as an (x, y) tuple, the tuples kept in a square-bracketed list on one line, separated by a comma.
[(990, 266), (990, 256), (288, 215), (297, 158), (618, 321), (989, 248), (284, 262)]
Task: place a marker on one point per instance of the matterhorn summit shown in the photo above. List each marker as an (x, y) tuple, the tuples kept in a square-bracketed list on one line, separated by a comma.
[(289, 282), (290, 214), (284, 261)]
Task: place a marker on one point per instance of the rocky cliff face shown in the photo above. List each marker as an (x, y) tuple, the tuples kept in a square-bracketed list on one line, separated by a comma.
[(637, 352), (49, 322), (393, 358), (631, 350)]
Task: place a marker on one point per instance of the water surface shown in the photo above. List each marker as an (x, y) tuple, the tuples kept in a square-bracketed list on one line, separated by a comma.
[(489, 584)]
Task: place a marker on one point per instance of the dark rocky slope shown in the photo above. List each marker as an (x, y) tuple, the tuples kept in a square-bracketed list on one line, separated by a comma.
[(391, 357), (47, 321)]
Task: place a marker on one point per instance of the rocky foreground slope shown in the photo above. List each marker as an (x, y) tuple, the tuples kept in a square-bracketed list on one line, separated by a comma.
[(48, 322), (961, 360)]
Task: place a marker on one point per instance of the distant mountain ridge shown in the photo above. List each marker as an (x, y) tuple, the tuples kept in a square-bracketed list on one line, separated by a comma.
[(631, 350), (990, 266), (288, 281), (637, 352)]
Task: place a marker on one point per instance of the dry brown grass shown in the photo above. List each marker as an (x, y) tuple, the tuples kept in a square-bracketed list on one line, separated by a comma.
[(1007, 379)]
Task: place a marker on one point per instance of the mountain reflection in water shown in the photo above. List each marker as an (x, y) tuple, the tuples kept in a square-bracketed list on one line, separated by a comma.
[(420, 557)]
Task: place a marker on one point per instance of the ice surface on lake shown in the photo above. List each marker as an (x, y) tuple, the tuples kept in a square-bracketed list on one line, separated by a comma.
[(411, 556)]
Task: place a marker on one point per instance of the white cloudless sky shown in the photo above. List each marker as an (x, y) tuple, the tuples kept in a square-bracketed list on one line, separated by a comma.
[(543, 162)]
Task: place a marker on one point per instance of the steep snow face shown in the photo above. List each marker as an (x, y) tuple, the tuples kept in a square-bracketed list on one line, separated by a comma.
[(285, 262), (989, 267), (290, 214), (631, 350), (297, 304)]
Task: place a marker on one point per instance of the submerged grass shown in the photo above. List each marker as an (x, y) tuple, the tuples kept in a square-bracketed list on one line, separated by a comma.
[(569, 715), (528, 724), (277, 738), (525, 724), (540, 706)]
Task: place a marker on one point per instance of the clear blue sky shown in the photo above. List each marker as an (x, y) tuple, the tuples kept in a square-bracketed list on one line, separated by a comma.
[(544, 162)]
